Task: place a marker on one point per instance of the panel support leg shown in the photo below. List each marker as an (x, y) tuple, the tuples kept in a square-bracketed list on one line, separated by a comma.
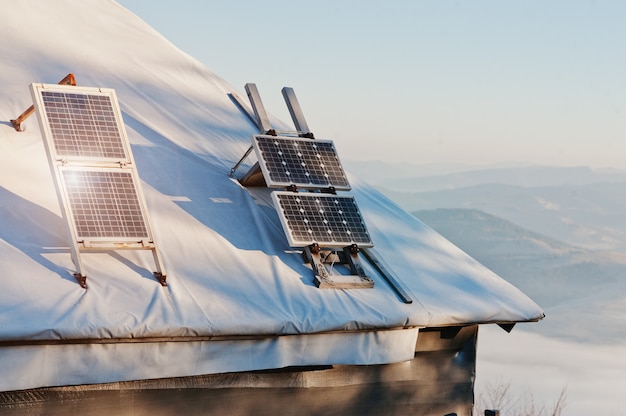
[(312, 255), (354, 262), (263, 120), (296, 113), (160, 273), (78, 275)]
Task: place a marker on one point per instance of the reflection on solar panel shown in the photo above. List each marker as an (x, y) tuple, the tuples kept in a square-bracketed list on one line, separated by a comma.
[(96, 179), (83, 125), (306, 163), (104, 204), (329, 220)]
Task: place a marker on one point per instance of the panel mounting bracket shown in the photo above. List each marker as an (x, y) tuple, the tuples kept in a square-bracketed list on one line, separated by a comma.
[(161, 278), (17, 123), (323, 263), (260, 114), (81, 279), (297, 116), (254, 176)]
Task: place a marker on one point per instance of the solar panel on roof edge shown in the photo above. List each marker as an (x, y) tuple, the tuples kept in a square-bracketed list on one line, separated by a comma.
[(82, 123), (85, 138), (306, 163), (104, 204), (329, 220)]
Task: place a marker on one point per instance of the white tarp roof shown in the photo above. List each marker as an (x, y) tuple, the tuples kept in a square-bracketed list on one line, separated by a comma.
[(229, 269)]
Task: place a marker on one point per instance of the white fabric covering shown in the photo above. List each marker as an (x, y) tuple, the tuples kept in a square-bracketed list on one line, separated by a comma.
[(229, 268)]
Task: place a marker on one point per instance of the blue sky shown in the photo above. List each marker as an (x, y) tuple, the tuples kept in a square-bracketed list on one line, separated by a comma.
[(478, 82)]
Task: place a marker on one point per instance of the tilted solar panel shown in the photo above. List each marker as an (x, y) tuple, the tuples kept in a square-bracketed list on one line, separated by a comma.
[(306, 163), (95, 175), (83, 123), (104, 204), (329, 220)]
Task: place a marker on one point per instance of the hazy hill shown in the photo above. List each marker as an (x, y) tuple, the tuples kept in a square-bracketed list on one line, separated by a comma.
[(559, 234), (591, 216), (405, 177), (487, 234), (576, 287), (578, 205), (560, 238)]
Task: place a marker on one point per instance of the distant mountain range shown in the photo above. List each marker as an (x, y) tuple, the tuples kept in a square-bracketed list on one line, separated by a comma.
[(403, 177), (575, 286), (577, 205), (591, 216), (557, 233)]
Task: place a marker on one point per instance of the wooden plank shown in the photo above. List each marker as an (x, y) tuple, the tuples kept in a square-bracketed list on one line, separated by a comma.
[(373, 399), (433, 383), (254, 176), (437, 339)]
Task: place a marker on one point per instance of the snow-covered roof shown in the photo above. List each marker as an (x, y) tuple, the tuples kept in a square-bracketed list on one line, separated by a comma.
[(229, 268)]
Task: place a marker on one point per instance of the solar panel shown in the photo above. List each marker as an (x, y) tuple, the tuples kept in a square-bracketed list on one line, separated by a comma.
[(329, 220), (104, 204), (95, 175), (306, 163), (84, 123)]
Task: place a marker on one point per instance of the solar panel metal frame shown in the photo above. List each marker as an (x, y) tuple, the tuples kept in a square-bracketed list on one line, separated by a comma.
[(297, 241), (113, 201), (121, 162), (276, 179), (86, 119)]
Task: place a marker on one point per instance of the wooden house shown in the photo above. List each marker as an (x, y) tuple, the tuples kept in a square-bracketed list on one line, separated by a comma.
[(214, 310)]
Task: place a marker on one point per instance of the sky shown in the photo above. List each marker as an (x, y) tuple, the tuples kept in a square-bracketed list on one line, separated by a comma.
[(483, 82)]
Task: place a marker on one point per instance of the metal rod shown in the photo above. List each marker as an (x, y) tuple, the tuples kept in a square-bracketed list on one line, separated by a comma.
[(395, 285), (17, 123), (243, 108), (232, 171)]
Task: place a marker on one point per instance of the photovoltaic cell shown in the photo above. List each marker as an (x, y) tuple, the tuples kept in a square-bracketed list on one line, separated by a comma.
[(306, 163), (329, 220), (95, 175), (83, 125), (104, 204)]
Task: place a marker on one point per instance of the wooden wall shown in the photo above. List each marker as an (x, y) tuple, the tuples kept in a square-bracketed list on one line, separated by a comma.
[(438, 381)]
